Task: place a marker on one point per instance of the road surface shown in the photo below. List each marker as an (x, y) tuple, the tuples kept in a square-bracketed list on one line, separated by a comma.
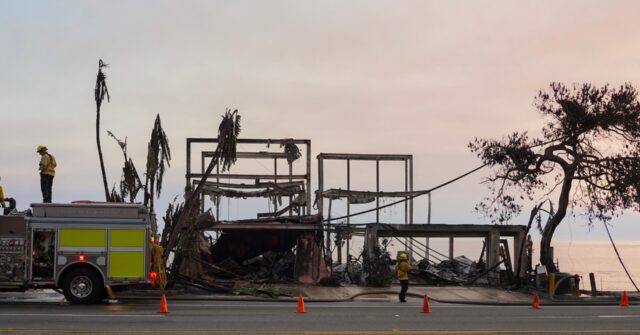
[(373, 316)]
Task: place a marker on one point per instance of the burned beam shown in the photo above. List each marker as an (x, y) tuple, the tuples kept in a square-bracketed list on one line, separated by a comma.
[(269, 225), (249, 176), (251, 155), (340, 193), (365, 157), (251, 186), (446, 230), (250, 140)]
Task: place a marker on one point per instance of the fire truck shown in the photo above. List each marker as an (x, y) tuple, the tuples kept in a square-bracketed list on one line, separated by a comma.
[(80, 248)]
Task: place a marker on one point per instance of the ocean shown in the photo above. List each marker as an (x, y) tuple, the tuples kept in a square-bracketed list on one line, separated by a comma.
[(599, 257), (575, 257)]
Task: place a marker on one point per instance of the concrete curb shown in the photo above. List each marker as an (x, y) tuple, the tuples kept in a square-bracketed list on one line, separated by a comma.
[(612, 301)]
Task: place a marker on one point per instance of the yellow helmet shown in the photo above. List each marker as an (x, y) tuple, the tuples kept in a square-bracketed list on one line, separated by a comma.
[(40, 148), (403, 256)]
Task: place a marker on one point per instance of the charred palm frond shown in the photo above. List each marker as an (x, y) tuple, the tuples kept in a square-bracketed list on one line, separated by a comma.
[(228, 131), (100, 92), (170, 218), (116, 196), (224, 156), (130, 183), (158, 158), (291, 150)]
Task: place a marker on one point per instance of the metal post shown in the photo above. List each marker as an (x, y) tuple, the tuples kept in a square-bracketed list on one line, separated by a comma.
[(377, 190), (592, 279), (320, 187), (329, 230), (428, 222), (406, 188), (411, 189), (188, 176), (451, 248), (493, 246), (406, 182), (202, 169), (220, 198), (348, 211), (290, 197), (275, 180), (308, 211)]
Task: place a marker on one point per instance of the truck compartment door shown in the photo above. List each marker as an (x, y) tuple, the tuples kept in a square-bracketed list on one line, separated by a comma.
[(126, 253), (43, 255)]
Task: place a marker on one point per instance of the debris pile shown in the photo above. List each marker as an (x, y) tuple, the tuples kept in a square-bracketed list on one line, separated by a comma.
[(458, 270), (270, 267)]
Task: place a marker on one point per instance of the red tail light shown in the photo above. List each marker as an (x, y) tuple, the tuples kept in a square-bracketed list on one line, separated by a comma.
[(81, 257), (153, 276)]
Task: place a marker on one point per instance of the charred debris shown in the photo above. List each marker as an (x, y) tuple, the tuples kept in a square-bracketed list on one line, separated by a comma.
[(291, 244)]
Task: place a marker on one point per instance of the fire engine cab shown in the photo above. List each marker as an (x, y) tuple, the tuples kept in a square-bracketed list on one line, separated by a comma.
[(79, 248)]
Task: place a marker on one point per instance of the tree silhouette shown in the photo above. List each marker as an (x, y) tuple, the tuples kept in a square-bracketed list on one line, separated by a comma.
[(99, 94), (587, 157)]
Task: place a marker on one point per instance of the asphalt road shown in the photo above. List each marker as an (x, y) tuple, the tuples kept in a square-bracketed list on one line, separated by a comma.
[(358, 317)]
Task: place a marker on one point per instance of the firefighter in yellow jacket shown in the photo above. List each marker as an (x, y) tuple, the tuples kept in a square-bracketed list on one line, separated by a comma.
[(402, 272), (47, 172)]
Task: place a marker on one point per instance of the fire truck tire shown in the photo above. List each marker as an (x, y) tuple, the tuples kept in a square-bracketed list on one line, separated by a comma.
[(83, 286)]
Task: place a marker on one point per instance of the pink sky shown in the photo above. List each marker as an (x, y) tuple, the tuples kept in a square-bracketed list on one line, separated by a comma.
[(404, 77)]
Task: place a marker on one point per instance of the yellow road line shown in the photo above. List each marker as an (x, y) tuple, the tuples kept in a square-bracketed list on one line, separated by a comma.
[(323, 332)]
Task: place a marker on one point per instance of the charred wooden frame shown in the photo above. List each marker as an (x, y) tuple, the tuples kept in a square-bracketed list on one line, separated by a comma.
[(263, 180), (408, 188)]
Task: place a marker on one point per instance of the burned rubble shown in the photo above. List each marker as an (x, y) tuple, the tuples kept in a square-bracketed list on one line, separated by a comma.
[(289, 243)]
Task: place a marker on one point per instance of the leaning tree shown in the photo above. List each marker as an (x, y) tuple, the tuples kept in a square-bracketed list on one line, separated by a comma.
[(586, 159)]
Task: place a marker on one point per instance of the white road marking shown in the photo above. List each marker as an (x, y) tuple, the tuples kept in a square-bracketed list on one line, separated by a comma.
[(619, 316)]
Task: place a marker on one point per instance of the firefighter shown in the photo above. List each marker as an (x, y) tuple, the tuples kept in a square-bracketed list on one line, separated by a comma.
[(12, 203), (402, 272), (47, 172), (2, 199)]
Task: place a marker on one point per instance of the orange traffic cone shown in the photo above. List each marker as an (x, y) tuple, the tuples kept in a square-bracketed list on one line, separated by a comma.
[(624, 300), (536, 301), (300, 308), (163, 305), (425, 305)]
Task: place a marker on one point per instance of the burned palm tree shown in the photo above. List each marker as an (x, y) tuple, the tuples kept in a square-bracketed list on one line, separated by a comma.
[(158, 155), (130, 183), (224, 156), (100, 92)]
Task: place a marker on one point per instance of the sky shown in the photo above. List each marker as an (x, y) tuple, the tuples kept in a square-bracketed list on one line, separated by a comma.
[(385, 77)]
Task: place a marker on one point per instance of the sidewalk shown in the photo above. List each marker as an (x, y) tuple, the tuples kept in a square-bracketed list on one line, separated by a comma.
[(443, 294)]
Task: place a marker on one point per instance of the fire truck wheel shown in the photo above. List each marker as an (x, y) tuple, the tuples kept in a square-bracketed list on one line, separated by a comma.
[(82, 286)]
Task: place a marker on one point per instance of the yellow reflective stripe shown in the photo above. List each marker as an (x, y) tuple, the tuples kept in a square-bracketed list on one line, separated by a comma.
[(127, 238), (82, 249), (126, 264), (137, 249), (82, 237)]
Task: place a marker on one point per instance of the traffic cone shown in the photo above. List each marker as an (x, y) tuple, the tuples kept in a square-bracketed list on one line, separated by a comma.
[(300, 308), (163, 305), (624, 300), (536, 301), (425, 305)]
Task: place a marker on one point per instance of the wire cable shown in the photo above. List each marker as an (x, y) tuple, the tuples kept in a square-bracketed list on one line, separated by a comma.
[(619, 258)]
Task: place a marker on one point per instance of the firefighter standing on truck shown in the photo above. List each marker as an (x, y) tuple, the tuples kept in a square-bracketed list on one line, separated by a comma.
[(47, 172)]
